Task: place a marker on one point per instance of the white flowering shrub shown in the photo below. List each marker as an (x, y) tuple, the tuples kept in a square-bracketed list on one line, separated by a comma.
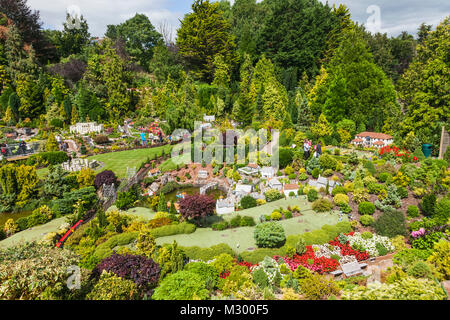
[(370, 244)]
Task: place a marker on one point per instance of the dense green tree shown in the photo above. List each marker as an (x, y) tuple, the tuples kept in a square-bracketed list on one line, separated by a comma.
[(165, 62), (295, 33), (29, 27), (140, 37), (74, 37), (19, 60), (204, 34), (424, 88), (354, 87), (247, 23)]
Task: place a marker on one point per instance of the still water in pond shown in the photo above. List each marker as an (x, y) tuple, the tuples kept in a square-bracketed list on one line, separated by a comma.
[(172, 196), (7, 215)]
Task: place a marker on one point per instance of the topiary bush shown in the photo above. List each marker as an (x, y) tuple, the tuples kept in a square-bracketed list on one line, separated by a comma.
[(340, 199), (413, 211), (315, 173), (322, 205), (248, 202), (339, 190), (384, 176), (366, 207), (312, 195), (420, 269), (427, 205), (247, 221), (269, 235), (367, 220), (208, 273), (183, 285), (106, 177)]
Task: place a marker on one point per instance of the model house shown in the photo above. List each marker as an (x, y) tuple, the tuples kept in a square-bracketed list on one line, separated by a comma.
[(288, 188), (275, 184), (372, 139)]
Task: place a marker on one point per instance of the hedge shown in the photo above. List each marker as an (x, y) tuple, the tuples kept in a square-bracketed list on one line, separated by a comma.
[(207, 254), (52, 157), (182, 228), (104, 250)]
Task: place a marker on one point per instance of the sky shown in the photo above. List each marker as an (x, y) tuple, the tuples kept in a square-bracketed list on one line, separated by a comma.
[(386, 16)]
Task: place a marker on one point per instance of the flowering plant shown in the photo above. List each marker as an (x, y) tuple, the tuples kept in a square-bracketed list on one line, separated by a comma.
[(418, 233)]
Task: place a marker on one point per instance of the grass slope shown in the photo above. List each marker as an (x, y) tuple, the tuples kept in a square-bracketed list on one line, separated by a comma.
[(119, 161), (241, 239)]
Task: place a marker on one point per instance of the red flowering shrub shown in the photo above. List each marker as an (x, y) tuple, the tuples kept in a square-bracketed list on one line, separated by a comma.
[(320, 265), (395, 152)]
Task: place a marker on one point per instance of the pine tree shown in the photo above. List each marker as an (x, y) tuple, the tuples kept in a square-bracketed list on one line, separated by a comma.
[(204, 34), (74, 118), (52, 144), (162, 204)]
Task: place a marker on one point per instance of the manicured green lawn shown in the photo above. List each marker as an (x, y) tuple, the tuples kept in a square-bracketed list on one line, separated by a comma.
[(33, 234), (119, 161), (243, 236)]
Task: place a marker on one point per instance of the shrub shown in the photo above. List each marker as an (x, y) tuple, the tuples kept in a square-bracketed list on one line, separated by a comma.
[(302, 176), (360, 195), (101, 139), (403, 289), (365, 208), (391, 223), (419, 269), (276, 215), (317, 287), (367, 220), (367, 235), (312, 195), (106, 177), (427, 205), (247, 221), (208, 273), (442, 211), (339, 190), (182, 228), (327, 173), (413, 211), (49, 158), (183, 285), (340, 199), (300, 246), (197, 206), (315, 173), (441, 257), (327, 161), (402, 192), (219, 226), (112, 287), (207, 254), (322, 205), (144, 272), (273, 195), (269, 235), (248, 202), (382, 251), (288, 215), (384, 176)]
